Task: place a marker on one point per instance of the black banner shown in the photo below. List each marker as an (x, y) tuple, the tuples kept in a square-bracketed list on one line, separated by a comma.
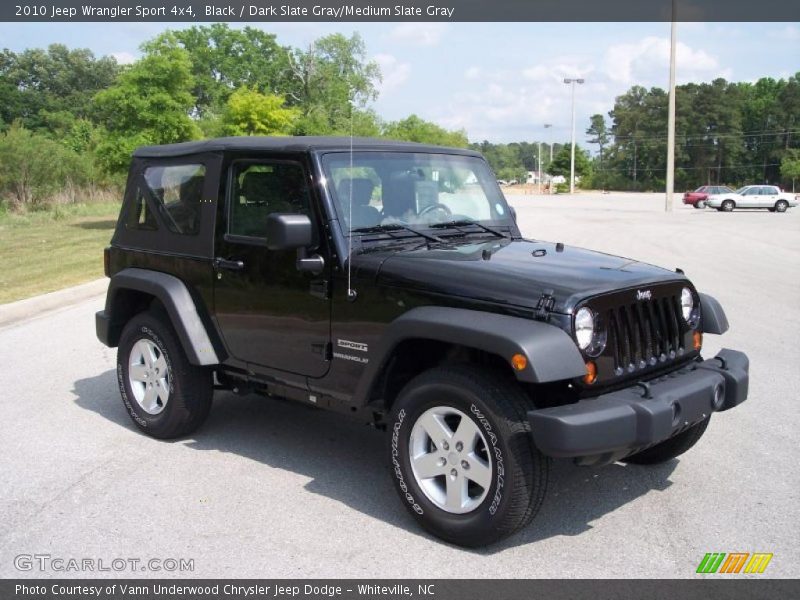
[(399, 10), (751, 588)]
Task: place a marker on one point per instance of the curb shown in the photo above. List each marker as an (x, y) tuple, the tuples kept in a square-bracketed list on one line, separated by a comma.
[(23, 310)]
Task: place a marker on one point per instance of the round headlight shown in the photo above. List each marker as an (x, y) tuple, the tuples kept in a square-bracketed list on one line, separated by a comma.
[(584, 328), (687, 304)]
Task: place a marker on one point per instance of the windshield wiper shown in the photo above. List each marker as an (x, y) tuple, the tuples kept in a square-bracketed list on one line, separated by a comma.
[(464, 222), (389, 227)]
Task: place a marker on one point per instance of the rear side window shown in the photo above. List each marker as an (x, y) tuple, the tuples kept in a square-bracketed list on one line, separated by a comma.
[(259, 189), (177, 193)]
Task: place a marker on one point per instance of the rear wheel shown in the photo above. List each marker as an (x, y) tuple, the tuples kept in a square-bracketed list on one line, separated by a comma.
[(727, 206), (462, 457), (165, 395), (781, 206), (669, 449)]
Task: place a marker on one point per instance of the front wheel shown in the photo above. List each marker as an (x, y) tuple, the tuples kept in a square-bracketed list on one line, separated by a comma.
[(728, 206), (781, 206), (669, 449), (165, 395), (462, 457)]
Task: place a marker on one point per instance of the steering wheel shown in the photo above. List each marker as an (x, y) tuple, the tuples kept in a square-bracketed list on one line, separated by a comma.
[(434, 207)]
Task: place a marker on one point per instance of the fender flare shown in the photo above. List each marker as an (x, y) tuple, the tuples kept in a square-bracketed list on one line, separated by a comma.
[(714, 320), (552, 354), (176, 299)]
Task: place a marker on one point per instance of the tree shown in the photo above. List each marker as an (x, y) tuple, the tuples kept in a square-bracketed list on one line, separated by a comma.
[(36, 82), (561, 162), (790, 166), (415, 129), (149, 104), (327, 80), (599, 132), (32, 167), (249, 112), (224, 59)]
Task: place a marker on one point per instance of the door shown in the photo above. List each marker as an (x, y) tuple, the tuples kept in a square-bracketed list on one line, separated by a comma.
[(751, 197), (271, 315), (769, 196)]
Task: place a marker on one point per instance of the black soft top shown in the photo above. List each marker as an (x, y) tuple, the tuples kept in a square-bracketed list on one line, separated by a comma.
[(292, 144)]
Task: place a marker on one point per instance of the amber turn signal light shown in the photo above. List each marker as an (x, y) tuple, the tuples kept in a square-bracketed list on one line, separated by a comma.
[(697, 339), (591, 373), (519, 362)]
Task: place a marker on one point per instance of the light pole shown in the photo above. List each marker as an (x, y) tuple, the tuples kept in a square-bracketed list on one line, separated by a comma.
[(671, 118), (571, 82), (546, 126)]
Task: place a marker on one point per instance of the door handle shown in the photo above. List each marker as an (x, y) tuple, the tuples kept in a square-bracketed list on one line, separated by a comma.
[(228, 265)]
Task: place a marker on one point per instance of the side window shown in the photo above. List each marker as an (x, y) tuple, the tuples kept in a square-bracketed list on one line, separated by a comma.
[(177, 191), (140, 216), (259, 189)]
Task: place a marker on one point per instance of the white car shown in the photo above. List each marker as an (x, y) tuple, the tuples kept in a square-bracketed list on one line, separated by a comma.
[(753, 196)]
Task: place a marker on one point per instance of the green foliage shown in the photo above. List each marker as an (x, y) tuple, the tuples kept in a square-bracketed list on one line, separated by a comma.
[(790, 165), (327, 80), (726, 133), (415, 129), (34, 167), (224, 59), (36, 82), (562, 160), (249, 112), (149, 104)]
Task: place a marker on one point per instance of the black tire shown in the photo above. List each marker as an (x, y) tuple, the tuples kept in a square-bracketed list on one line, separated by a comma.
[(519, 472), (727, 206), (781, 206), (190, 387), (669, 449)]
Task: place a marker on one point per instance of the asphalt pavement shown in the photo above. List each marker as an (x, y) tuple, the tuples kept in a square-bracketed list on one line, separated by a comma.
[(273, 489)]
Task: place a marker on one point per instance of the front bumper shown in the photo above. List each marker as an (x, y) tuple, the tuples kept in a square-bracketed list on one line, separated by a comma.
[(614, 425)]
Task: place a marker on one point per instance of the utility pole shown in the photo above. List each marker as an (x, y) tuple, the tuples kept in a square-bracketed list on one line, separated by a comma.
[(548, 126), (540, 167), (671, 118), (571, 82)]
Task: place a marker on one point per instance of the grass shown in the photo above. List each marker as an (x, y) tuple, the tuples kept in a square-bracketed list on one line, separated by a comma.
[(44, 251)]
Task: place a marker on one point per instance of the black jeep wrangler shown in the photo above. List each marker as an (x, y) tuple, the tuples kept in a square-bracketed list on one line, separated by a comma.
[(389, 281)]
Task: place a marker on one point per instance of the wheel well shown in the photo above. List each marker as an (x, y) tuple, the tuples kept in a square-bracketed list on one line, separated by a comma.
[(413, 356), (126, 304)]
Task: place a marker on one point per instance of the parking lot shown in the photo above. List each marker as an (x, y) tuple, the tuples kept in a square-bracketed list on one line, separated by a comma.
[(272, 489)]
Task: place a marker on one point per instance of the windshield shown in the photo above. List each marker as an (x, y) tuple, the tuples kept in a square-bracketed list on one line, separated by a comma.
[(416, 189)]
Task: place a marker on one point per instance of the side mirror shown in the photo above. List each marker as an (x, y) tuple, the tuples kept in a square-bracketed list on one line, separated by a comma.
[(287, 232), (513, 213)]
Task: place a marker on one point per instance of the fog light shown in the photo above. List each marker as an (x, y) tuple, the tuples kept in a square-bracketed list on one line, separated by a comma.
[(697, 340), (591, 373), (719, 397), (519, 362)]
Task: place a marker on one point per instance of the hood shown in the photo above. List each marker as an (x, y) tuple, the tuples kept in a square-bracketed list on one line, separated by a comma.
[(514, 272)]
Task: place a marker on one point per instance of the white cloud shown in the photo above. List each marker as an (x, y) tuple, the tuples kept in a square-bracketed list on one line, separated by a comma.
[(419, 34), (473, 73), (395, 73), (646, 62), (124, 58), (790, 32)]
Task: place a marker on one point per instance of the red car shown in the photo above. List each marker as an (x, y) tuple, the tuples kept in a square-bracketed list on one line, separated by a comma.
[(698, 197)]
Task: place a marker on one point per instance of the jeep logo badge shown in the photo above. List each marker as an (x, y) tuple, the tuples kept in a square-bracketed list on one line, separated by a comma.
[(644, 295)]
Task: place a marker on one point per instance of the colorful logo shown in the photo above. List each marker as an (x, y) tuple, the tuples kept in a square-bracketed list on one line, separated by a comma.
[(734, 562)]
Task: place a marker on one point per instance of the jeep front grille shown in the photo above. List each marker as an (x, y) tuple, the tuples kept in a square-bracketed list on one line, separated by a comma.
[(645, 333)]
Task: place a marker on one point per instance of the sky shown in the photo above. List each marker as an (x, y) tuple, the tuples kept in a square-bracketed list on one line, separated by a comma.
[(500, 82)]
